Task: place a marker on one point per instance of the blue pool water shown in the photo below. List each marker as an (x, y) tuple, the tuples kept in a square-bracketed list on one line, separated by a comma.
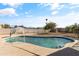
[(49, 42)]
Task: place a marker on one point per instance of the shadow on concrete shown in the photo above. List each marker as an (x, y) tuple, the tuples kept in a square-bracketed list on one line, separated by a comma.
[(66, 52)]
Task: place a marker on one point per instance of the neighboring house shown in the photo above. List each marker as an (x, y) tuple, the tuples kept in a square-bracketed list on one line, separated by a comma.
[(19, 30), (61, 29)]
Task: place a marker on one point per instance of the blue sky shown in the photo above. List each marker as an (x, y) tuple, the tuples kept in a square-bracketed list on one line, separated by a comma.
[(34, 14)]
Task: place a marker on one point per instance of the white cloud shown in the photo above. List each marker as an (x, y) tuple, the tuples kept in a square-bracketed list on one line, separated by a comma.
[(54, 12), (28, 1), (62, 21), (74, 6), (15, 5), (60, 7), (56, 6), (66, 20), (52, 5), (26, 12), (29, 13), (8, 11), (29, 16), (39, 1)]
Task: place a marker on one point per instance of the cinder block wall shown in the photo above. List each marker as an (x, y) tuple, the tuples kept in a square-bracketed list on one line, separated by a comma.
[(4, 31)]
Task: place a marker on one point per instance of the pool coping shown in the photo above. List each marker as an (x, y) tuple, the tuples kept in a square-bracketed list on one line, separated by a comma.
[(70, 44)]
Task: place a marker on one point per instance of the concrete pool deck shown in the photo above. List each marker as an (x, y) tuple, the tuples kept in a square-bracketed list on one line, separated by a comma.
[(42, 51), (25, 49), (6, 49)]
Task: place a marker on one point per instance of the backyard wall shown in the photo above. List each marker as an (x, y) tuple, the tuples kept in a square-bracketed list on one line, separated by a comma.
[(4, 31), (21, 31)]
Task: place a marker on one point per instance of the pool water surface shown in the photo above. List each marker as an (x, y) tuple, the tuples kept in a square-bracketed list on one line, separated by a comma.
[(49, 42)]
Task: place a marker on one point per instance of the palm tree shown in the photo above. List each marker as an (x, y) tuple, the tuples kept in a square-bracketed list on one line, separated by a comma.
[(46, 20)]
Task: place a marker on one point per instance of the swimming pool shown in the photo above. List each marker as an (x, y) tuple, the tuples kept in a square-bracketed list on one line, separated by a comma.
[(49, 42)]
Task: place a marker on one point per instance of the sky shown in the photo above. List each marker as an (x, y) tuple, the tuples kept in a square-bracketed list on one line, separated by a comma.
[(34, 14)]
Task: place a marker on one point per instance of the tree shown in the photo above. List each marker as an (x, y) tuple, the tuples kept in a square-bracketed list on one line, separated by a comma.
[(73, 29), (67, 29), (50, 26), (15, 26), (5, 25)]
